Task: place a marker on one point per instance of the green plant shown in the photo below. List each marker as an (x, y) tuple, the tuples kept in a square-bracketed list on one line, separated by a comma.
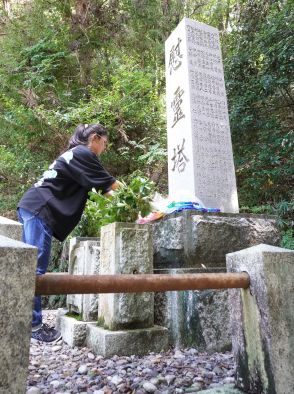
[(123, 206), (74, 315)]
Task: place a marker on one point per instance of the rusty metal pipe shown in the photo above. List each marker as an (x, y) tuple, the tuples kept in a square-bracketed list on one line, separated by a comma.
[(90, 284)]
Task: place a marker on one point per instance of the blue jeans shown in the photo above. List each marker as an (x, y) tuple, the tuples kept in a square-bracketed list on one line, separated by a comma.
[(37, 233)]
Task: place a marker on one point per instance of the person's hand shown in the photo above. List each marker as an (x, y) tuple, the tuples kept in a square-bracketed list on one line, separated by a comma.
[(116, 185)]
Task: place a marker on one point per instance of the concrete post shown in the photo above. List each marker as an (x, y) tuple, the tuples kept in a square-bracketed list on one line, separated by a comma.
[(11, 229), (126, 320), (17, 286), (263, 320), (126, 248)]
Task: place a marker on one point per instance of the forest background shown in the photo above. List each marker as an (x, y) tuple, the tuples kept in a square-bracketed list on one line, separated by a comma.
[(68, 62)]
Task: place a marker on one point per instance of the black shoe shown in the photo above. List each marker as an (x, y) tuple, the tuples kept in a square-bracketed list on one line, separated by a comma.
[(46, 334)]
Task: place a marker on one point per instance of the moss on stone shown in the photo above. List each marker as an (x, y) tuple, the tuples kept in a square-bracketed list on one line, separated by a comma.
[(253, 341), (74, 315)]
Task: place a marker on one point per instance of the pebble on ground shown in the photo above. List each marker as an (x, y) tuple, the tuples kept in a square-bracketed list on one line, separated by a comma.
[(58, 368)]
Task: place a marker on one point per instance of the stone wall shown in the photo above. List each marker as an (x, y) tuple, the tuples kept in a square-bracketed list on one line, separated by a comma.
[(197, 319)]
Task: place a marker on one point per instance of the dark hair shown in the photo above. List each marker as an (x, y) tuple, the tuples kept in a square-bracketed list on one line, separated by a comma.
[(83, 132)]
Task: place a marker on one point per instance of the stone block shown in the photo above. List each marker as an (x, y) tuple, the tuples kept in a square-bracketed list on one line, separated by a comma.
[(10, 228), (263, 320), (126, 248), (84, 259), (126, 342), (17, 286), (192, 239), (73, 331), (193, 318)]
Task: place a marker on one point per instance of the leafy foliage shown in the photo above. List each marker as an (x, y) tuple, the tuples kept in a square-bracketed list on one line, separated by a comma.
[(123, 206), (69, 62), (259, 73), (284, 212)]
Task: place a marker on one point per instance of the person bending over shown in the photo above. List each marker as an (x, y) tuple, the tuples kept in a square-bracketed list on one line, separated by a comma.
[(54, 205)]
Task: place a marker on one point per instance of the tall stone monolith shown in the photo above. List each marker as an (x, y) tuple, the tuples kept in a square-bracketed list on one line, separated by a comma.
[(200, 157)]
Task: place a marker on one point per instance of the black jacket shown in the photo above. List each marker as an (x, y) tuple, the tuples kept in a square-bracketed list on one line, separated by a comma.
[(60, 196)]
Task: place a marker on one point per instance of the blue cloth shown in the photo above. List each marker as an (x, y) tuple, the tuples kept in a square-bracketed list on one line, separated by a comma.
[(37, 233), (187, 205)]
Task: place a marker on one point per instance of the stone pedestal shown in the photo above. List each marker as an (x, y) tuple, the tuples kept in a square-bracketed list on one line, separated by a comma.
[(84, 259), (17, 286), (126, 248), (11, 229), (263, 320), (201, 240)]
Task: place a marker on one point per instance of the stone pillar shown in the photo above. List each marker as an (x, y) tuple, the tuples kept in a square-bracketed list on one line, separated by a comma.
[(126, 248), (11, 229), (200, 157), (263, 320), (126, 321), (17, 286)]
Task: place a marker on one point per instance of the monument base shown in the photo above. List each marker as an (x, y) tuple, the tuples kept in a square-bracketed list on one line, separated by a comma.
[(126, 342), (191, 239)]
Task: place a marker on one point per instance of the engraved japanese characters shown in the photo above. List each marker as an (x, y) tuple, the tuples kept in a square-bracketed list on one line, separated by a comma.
[(200, 157)]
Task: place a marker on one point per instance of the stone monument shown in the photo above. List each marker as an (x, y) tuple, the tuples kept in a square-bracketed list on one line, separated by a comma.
[(200, 167), (200, 158)]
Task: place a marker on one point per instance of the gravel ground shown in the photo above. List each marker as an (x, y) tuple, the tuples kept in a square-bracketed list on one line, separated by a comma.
[(57, 368)]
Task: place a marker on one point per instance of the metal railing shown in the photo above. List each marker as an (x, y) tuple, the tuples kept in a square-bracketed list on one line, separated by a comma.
[(62, 283)]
